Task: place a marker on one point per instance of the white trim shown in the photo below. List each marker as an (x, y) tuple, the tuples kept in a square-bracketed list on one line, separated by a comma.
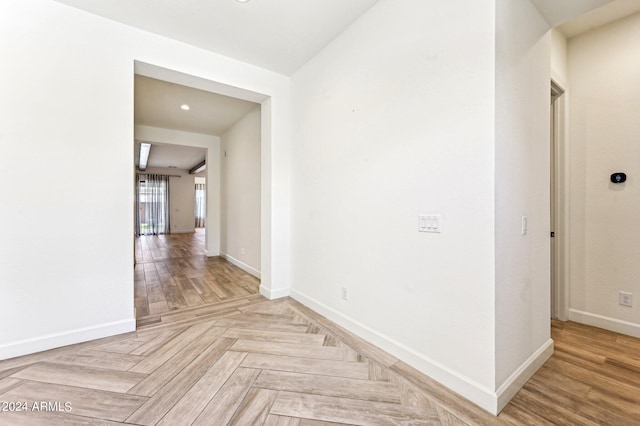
[(56, 340), (475, 392), (557, 79), (274, 144), (600, 321), (273, 294), (182, 231), (562, 278), (240, 264), (512, 385)]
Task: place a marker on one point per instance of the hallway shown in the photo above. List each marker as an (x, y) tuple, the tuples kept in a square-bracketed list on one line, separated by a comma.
[(172, 272)]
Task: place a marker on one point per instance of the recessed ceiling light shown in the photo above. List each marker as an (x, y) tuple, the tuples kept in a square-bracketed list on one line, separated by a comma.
[(242, 1), (185, 107)]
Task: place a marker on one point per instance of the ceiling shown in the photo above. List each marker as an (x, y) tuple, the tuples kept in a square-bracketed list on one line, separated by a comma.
[(601, 16), (575, 17), (279, 35), (157, 104), (173, 156), (559, 11), (282, 35)]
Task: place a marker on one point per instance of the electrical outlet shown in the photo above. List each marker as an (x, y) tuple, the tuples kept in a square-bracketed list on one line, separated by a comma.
[(242, 250), (345, 294), (626, 299), (524, 226)]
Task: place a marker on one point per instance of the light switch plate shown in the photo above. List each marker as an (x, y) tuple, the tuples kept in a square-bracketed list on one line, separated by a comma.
[(430, 223)]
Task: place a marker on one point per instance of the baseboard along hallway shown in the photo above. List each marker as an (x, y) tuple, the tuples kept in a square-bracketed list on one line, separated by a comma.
[(211, 351)]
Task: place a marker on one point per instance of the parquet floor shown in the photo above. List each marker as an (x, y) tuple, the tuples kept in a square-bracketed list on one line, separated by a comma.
[(250, 361), (172, 272), (242, 362)]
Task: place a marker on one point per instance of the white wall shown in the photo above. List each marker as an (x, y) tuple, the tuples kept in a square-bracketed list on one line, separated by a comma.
[(604, 129), (392, 119), (240, 193), (522, 189), (181, 198), (71, 73), (559, 64)]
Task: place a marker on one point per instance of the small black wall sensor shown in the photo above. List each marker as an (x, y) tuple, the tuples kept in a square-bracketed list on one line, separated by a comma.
[(618, 177)]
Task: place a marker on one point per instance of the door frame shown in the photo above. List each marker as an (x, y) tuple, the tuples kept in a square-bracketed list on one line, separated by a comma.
[(271, 217), (559, 174)]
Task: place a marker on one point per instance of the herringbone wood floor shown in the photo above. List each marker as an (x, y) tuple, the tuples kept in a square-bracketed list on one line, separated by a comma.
[(253, 361), (247, 360)]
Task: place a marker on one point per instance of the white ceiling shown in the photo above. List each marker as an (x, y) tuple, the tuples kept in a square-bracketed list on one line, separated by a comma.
[(601, 16), (157, 104), (559, 11), (174, 156), (574, 17), (280, 35)]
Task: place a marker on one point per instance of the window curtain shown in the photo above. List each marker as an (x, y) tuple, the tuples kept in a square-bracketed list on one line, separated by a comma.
[(152, 204), (201, 205)]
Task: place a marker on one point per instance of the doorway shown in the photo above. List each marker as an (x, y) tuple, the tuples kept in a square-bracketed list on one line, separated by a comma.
[(172, 108), (558, 231)]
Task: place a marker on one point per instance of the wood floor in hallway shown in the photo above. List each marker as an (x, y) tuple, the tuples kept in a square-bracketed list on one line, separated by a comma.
[(243, 362), (172, 272), (246, 360), (252, 361)]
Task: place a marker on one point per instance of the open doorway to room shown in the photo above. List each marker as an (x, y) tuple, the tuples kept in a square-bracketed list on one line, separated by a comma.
[(166, 191), (557, 204), (198, 198)]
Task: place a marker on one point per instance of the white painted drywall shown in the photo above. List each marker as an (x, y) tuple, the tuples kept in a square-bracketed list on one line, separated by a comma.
[(522, 170), (67, 90), (392, 119), (182, 216), (396, 117), (240, 193), (559, 65), (604, 129)]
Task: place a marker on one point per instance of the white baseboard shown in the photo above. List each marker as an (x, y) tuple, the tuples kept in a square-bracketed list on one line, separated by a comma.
[(512, 385), (274, 294), (253, 271), (470, 389), (57, 340), (183, 231), (600, 321), (475, 392)]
